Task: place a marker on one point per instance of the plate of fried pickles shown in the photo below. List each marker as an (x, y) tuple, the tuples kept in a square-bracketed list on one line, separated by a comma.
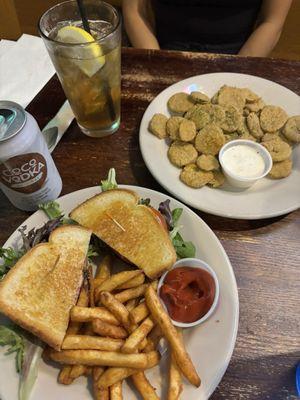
[(186, 125)]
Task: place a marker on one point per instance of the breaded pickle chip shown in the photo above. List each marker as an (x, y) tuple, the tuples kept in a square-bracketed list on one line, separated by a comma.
[(216, 113), (233, 119), (180, 103), (187, 130), (199, 116), (157, 125), (207, 162), (254, 125), (231, 136), (199, 97), (242, 129), (291, 129), (194, 177), (250, 96), (217, 180), (281, 169), (210, 139), (231, 96), (173, 127), (278, 149), (272, 118), (182, 153), (270, 136), (256, 106)]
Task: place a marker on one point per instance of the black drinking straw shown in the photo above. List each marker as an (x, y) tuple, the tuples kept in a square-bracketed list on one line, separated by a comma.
[(106, 88)]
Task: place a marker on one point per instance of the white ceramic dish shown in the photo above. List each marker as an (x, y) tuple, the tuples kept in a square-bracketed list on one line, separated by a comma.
[(240, 181), (210, 345), (267, 198), (194, 263)]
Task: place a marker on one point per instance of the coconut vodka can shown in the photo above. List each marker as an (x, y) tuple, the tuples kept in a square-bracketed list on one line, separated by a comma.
[(28, 175)]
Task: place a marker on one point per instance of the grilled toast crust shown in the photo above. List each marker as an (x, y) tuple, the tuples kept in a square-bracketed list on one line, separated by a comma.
[(39, 291), (130, 229)]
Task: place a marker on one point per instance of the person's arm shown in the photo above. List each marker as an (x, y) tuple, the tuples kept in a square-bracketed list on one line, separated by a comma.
[(138, 24), (268, 30)]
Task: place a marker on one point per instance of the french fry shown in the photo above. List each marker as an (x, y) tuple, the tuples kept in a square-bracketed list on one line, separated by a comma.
[(98, 358), (116, 391), (163, 320), (85, 314), (64, 375), (83, 301), (104, 268), (78, 370), (115, 281), (145, 388), (131, 304), (113, 375), (104, 329), (153, 339), (136, 281), (118, 310), (132, 293), (133, 341), (139, 313), (175, 383), (82, 342), (99, 393), (91, 287)]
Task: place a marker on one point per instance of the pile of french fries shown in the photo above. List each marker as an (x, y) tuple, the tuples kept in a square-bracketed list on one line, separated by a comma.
[(114, 332)]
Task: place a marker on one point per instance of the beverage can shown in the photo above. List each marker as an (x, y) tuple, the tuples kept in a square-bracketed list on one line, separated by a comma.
[(28, 175)]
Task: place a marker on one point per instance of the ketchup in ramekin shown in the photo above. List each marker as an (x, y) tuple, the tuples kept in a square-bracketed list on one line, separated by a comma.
[(188, 293)]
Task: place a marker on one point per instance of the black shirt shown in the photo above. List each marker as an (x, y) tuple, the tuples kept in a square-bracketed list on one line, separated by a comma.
[(205, 25)]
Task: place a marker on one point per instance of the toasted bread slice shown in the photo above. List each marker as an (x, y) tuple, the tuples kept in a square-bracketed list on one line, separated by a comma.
[(132, 230), (39, 291)]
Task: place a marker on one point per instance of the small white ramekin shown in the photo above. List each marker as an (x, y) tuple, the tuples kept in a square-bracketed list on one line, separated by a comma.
[(239, 181), (194, 263)]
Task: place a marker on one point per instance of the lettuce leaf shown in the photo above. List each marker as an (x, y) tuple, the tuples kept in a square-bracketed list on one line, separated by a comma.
[(110, 182)]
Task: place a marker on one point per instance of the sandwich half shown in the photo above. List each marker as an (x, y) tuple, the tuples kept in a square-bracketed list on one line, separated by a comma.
[(39, 291), (132, 230)]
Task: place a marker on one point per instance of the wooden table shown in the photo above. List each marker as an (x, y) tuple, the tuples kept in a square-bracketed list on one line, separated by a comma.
[(265, 254)]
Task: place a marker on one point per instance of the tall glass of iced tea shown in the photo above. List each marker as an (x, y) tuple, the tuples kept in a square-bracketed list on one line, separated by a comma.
[(87, 63)]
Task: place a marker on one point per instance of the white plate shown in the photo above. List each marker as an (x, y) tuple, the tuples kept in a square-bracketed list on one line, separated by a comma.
[(210, 344), (267, 198)]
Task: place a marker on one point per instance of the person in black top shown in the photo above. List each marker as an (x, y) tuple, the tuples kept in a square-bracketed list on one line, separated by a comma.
[(245, 27)]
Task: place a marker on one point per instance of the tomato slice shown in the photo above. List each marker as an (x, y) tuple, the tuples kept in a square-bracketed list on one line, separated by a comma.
[(159, 217)]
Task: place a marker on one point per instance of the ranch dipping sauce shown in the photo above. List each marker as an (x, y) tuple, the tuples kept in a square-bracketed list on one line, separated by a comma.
[(244, 161)]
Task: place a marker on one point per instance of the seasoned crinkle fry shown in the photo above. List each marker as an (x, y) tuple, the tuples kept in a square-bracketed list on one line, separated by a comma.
[(113, 375), (136, 281), (104, 329), (99, 358), (118, 310), (104, 268), (115, 281), (116, 391), (85, 314), (175, 383), (163, 320), (132, 293), (99, 393), (144, 387), (132, 343), (82, 342), (83, 301), (153, 339), (139, 313), (79, 370), (64, 375)]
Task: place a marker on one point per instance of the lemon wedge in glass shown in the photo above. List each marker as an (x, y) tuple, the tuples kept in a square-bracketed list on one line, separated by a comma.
[(88, 58)]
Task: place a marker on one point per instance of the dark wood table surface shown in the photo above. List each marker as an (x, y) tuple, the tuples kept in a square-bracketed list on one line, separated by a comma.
[(264, 253)]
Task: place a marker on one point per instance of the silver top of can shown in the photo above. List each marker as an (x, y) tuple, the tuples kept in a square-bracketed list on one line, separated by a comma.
[(12, 119)]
